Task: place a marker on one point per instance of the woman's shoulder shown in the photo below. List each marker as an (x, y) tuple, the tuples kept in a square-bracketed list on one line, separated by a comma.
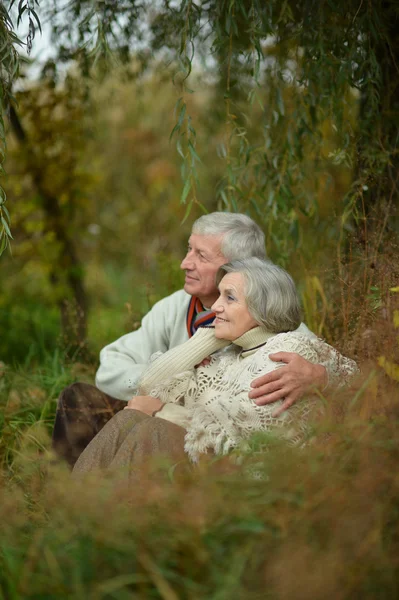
[(290, 341)]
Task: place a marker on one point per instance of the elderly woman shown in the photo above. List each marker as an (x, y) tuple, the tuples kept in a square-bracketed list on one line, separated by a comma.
[(202, 404)]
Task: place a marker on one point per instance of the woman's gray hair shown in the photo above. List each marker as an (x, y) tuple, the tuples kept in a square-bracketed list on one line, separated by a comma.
[(270, 293), (242, 237)]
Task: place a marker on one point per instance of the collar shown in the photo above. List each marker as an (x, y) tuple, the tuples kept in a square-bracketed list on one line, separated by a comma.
[(197, 316), (253, 339)]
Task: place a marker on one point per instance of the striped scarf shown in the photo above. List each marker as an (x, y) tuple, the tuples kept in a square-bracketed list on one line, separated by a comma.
[(197, 316)]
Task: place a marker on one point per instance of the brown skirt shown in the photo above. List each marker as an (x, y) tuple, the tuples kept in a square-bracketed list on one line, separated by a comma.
[(135, 445)]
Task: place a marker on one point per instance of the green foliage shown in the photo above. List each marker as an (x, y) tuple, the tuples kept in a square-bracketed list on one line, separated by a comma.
[(27, 328), (312, 68)]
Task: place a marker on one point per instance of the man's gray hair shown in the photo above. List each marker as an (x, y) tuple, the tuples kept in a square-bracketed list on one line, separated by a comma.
[(242, 237), (270, 293)]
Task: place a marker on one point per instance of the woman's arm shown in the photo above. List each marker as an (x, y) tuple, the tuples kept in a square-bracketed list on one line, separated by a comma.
[(181, 358), (154, 407), (177, 414), (165, 381)]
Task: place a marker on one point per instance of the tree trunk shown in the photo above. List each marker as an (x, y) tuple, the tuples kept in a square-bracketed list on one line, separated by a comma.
[(73, 309)]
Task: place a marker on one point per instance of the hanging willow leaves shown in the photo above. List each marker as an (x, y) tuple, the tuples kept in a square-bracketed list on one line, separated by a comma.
[(9, 62), (324, 76)]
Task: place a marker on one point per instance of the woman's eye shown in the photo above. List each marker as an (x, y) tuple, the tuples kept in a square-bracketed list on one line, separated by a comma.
[(231, 298)]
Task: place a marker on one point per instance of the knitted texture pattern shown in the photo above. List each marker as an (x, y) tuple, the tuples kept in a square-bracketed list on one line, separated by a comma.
[(216, 396)]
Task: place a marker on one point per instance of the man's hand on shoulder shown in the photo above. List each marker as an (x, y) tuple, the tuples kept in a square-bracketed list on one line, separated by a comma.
[(288, 383), (145, 404)]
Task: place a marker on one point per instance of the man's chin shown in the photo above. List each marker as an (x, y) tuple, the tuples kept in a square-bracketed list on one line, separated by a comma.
[(190, 288)]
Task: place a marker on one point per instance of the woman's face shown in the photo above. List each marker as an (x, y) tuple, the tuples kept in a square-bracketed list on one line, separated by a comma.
[(232, 315)]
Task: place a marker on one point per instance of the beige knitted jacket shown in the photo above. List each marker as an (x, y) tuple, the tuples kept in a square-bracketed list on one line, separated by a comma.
[(211, 402)]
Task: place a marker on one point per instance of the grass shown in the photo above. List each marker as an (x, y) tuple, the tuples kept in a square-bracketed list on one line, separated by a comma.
[(277, 523), (320, 522), (29, 392)]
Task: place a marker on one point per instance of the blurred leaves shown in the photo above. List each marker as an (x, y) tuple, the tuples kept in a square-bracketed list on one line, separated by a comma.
[(310, 68)]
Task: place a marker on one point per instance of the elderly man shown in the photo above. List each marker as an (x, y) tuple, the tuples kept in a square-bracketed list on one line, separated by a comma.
[(216, 238)]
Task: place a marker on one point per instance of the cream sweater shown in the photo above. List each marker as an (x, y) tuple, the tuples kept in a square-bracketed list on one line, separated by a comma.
[(123, 361), (164, 327), (211, 402)]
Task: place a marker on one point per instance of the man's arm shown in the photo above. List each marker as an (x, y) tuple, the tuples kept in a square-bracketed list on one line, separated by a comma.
[(299, 375), (288, 383), (123, 361)]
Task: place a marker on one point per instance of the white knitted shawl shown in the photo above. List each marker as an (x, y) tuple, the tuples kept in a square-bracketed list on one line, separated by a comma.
[(214, 398)]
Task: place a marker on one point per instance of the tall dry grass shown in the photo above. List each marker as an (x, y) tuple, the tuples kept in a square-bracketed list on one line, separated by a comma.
[(284, 523)]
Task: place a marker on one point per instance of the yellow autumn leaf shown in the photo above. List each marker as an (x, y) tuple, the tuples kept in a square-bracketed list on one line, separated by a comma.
[(396, 318), (394, 289), (390, 368)]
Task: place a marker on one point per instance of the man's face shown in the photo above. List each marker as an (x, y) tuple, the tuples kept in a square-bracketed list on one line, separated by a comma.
[(201, 263)]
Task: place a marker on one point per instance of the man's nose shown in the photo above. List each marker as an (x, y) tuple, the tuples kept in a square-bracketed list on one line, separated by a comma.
[(187, 262)]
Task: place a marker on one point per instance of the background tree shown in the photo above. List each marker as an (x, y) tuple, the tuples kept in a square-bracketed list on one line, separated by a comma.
[(302, 97), (51, 154)]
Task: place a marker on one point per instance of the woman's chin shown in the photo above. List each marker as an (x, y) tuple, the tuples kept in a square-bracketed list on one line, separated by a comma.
[(222, 335)]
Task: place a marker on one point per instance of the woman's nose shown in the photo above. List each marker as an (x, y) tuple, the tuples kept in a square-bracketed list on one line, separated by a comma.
[(217, 307)]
